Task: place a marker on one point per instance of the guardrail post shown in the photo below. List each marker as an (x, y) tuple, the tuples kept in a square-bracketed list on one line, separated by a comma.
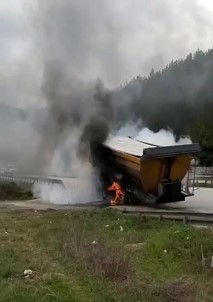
[(185, 220)]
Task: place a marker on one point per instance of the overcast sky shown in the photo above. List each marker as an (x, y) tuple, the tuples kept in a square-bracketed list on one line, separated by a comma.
[(14, 30), (151, 33)]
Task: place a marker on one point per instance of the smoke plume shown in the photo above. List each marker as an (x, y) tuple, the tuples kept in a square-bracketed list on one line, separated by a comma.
[(70, 35), (86, 188), (160, 138), (73, 106), (77, 46)]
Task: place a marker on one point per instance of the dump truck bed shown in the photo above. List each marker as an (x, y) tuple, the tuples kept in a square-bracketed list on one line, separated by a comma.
[(126, 145), (153, 170)]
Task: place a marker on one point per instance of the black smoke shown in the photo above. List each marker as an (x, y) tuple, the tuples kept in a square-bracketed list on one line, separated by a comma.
[(80, 41), (73, 105)]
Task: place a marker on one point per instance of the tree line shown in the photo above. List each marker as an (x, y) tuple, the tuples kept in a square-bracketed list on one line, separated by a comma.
[(178, 97)]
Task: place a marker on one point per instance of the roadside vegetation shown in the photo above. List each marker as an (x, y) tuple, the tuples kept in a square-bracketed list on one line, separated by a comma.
[(170, 99), (11, 191), (103, 256)]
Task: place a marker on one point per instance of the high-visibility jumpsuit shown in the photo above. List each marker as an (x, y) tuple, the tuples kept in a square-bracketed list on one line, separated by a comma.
[(118, 194)]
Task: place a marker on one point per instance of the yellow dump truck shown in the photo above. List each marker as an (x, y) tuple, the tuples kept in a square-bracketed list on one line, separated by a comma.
[(144, 169)]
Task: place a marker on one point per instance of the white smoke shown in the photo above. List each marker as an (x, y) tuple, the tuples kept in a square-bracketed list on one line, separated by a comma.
[(89, 39), (83, 185), (80, 190), (161, 138)]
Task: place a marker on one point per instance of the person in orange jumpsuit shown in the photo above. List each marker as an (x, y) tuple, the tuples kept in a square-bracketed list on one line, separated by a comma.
[(119, 195)]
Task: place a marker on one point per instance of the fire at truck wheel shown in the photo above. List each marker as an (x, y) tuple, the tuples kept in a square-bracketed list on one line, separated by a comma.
[(114, 188)]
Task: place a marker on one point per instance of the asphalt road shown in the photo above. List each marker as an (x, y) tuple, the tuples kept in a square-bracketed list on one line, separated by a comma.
[(202, 201)]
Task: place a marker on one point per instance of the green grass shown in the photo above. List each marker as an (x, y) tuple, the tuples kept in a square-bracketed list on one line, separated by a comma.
[(66, 266), (11, 191)]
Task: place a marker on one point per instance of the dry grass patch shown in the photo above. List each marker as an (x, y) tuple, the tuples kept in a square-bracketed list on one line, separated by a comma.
[(106, 261), (176, 291)]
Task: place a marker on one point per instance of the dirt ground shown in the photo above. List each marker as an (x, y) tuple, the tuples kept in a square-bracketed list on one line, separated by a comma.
[(38, 205)]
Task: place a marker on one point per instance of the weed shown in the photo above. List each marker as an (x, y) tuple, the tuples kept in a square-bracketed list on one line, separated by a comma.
[(106, 261), (76, 258), (11, 191), (175, 291)]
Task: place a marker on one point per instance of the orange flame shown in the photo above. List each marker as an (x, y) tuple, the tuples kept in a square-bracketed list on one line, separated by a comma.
[(119, 194)]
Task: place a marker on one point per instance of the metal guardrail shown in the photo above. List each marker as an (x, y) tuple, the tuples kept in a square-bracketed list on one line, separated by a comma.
[(203, 176), (205, 219), (203, 180), (204, 171), (27, 179), (200, 180)]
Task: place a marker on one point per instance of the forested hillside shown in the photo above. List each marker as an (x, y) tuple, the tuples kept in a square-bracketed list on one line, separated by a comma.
[(179, 97)]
